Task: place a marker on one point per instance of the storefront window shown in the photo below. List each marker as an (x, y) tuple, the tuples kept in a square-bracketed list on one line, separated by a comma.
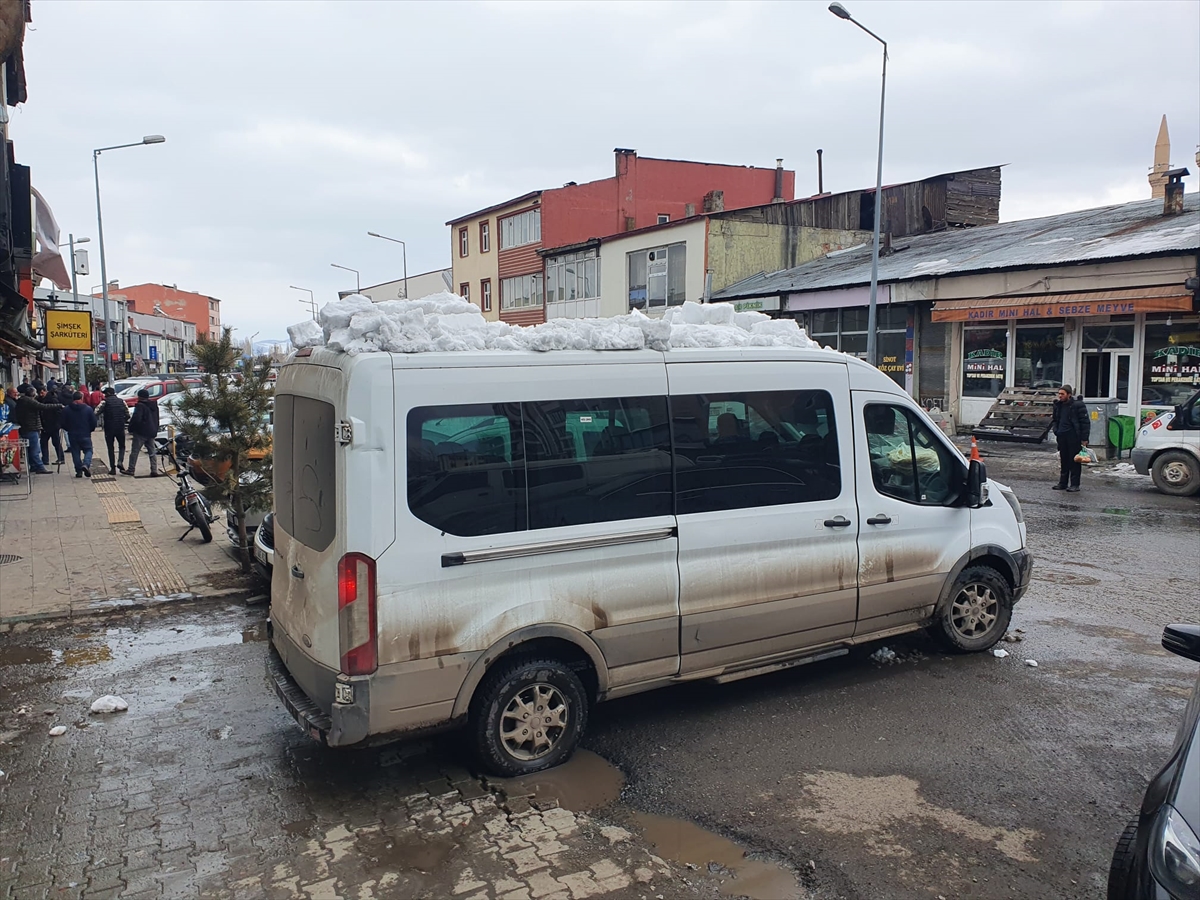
[(846, 330), (1171, 367), (1039, 358), (985, 357)]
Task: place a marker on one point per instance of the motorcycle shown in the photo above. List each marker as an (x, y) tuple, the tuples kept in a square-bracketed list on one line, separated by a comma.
[(193, 507)]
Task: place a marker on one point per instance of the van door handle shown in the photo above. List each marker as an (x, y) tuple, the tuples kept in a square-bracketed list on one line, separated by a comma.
[(838, 522), (879, 520), (297, 572)]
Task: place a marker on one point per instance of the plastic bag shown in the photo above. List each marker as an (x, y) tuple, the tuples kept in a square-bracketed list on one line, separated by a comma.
[(1087, 456)]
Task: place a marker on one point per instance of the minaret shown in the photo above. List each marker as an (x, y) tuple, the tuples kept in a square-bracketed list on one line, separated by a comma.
[(1162, 162)]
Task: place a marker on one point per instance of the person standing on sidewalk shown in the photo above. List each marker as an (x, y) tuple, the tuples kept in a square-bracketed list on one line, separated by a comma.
[(51, 424), (1071, 427), (28, 417), (143, 429), (114, 414), (79, 421), (95, 397)]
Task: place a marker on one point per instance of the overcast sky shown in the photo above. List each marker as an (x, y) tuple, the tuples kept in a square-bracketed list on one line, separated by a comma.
[(294, 128)]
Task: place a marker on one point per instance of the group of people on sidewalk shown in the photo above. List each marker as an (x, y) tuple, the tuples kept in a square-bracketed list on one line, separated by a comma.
[(41, 412)]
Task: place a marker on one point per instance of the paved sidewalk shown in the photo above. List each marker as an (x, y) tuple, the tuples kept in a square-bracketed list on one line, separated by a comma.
[(83, 545)]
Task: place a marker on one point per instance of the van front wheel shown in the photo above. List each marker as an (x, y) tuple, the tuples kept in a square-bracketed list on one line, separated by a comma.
[(978, 612), (528, 715)]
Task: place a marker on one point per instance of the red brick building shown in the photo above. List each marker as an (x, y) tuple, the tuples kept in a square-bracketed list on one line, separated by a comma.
[(163, 299), (497, 264)]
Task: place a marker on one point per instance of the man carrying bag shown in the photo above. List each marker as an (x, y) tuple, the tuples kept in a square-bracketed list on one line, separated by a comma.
[(1071, 426)]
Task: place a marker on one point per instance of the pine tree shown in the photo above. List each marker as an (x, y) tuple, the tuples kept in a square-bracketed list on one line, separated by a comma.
[(227, 425)]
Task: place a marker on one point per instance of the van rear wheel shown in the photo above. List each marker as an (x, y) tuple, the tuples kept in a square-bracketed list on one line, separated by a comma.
[(978, 612), (528, 715)]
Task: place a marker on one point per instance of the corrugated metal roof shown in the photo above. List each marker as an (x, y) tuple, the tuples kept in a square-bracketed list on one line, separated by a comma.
[(1110, 232)]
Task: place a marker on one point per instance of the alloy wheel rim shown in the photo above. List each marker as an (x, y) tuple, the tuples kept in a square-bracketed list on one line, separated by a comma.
[(974, 610), (534, 721)]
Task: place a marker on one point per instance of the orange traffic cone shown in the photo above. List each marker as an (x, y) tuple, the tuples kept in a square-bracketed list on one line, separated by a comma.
[(975, 457)]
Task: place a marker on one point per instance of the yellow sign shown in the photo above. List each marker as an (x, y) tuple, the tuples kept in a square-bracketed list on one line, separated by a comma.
[(68, 330)]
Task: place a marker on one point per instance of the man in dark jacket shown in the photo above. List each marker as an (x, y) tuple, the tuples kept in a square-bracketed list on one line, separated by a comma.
[(79, 421), (114, 414), (1071, 427), (51, 424), (28, 417), (143, 429)]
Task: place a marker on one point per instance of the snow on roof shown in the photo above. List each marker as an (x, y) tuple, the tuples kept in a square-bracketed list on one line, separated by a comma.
[(445, 322)]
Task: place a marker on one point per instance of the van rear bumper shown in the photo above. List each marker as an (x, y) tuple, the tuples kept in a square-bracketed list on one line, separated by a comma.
[(343, 724)]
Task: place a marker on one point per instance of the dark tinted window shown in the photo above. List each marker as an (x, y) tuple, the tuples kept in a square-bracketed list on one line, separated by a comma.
[(907, 461), (734, 451), (281, 464), (314, 473), (466, 468), (597, 460)]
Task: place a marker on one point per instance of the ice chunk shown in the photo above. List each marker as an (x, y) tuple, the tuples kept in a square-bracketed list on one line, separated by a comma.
[(748, 319), (884, 655), (691, 314), (1031, 663), (339, 313), (306, 334), (58, 731), (337, 339), (719, 313), (999, 653), (785, 332), (109, 703)]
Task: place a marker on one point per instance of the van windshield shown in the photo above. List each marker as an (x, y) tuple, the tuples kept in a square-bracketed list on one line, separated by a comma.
[(305, 470)]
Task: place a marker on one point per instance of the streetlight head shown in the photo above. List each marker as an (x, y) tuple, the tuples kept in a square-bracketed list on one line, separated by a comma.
[(82, 240), (154, 139), (373, 234), (840, 11)]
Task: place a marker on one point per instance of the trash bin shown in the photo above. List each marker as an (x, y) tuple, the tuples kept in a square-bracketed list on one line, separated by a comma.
[(1122, 432), (1101, 410)]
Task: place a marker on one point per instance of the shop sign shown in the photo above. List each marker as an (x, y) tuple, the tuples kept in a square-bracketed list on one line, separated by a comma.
[(894, 365), (758, 304), (952, 311), (68, 330), (985, 364), (1175, 364)]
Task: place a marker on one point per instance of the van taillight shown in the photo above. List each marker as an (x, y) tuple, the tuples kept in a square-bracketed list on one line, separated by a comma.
[(356, 614)]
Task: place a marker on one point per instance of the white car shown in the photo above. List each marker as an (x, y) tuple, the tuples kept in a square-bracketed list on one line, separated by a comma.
[(1168, 449)]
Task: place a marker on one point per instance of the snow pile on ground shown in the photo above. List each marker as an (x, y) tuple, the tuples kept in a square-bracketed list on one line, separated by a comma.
[(1123, 470), (446, 322)]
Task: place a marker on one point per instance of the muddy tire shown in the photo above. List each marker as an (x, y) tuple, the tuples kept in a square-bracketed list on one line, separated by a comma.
[(528, 715), (1176, 473), (1122, 863), (196, 511), (977, 613)]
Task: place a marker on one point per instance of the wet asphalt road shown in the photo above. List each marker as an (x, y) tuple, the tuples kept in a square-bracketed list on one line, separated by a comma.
[(930, 775), (954, 776)]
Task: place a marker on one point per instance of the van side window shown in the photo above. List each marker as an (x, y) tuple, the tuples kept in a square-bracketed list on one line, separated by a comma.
[(466, 468), (761, 448), (597, 460), (907, 461)]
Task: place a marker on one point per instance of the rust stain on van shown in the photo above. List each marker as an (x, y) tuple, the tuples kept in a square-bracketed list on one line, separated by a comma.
[(890, 564), (599, 615), (414, 646)]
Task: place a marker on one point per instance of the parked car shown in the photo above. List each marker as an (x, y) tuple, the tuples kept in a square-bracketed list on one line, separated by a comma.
[(159, 387), (1158, 854), (502, 540), (1168, 449), (264, 547)]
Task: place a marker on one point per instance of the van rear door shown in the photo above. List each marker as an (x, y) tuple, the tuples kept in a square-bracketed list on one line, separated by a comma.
[(325, 496)]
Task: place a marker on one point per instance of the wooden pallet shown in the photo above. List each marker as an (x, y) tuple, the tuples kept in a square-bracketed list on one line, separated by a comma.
[(1019, 414)]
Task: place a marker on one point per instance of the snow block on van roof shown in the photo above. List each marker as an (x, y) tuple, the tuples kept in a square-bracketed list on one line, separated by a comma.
[(445, 322)]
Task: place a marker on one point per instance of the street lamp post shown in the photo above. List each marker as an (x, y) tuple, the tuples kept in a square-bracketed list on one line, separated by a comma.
[(403, 252), (842, 13), (311, 301), (357, 282), (148, 139), (75, 299)]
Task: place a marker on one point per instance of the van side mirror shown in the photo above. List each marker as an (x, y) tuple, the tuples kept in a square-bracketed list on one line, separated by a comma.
[(1183, 640), (976, 494)]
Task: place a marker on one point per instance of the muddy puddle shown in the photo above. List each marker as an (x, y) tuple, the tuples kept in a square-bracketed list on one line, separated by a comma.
[(583, 783), (87, 656), (389, 853), (25, 656), (687, 843)]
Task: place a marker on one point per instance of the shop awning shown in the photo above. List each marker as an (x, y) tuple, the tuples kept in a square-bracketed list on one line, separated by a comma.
[(1168, 298)]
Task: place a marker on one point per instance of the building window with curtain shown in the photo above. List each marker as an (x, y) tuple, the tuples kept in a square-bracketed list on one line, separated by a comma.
[(485, 237), (523, 228), (985, 361), (573, 276), (464, 241), (485, 294), (657, 277), (521, 292)]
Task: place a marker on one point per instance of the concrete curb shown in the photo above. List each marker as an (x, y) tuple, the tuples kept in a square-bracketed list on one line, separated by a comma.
[(138, 602)]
